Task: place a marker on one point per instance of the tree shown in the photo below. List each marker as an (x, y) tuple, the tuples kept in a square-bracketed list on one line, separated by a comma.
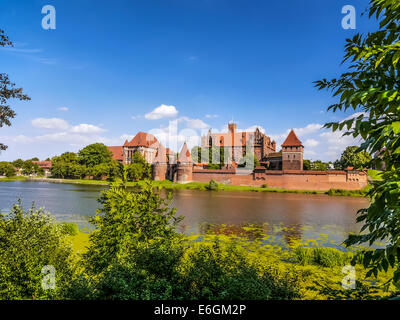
[(127, 218), (7, 91), (318, 165), (372, 86), (249, 161), (68, 170), (139, 169), (6, 169), (18, 163), (306, 164), (30, 240), (68, 157), (352, 157), (29, 167), (94, 154)]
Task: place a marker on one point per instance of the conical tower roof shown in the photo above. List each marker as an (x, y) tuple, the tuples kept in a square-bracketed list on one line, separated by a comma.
[(161, 156), (292, 140), (184, 155)]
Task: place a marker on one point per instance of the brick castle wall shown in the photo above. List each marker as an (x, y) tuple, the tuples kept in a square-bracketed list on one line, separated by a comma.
[(294, 180)]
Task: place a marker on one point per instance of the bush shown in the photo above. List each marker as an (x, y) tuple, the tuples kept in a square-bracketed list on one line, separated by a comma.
[(186, 270), (323, 256), (212, 185), (28, 242), (69, 228), (127, 218), (6, 169)]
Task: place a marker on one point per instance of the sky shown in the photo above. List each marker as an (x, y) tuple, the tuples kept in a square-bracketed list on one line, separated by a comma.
[(175, 68)]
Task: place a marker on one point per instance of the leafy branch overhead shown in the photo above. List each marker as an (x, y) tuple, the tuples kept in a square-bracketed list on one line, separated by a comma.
[(7, 91), (371, 86)]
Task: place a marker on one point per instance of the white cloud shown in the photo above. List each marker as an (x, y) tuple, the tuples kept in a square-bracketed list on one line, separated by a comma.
[(86, 128), (163, 111), (50, 123), (126, 136), (65, 109), (311, 143), (61, 124), (254, 128), (193, 123), (211, 116)]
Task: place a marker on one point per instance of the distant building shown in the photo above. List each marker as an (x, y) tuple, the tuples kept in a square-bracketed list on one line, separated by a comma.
[(292, 153), (45, 165), (241, 143), (144, 143), (237, 142)]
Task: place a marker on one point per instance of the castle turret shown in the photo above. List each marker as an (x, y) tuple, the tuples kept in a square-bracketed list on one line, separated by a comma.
[(185, 165), (292, 153), (160, 165)]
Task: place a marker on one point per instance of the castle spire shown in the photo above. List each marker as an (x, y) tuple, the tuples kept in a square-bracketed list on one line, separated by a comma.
[(161, 156), (184, 155), (292, 140)]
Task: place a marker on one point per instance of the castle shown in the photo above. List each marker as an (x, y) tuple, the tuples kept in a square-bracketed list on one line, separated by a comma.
[(283, 169)]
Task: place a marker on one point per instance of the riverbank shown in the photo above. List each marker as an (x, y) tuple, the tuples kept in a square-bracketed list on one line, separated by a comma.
[(20, 178), (169, 185)]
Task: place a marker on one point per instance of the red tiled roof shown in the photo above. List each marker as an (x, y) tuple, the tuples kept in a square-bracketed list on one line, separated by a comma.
[(117, 153), (169, 151), (292, 140), (143, 139), (43, 164), (184, 155)]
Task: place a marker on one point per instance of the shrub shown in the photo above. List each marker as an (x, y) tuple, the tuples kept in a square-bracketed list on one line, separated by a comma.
[(127, 218), (212, 185), (323, 256), (69, 228), (28, 242), (6, 169), (186, 270)]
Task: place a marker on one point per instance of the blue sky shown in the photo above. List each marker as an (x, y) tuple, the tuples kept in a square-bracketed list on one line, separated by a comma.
[(108, 65)]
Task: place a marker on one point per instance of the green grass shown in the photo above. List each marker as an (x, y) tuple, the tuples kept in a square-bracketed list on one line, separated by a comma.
[(20, 178), (349, 193)]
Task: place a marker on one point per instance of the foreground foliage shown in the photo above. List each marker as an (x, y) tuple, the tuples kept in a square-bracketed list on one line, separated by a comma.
[(136, 252), (371, 86), (29, 241)]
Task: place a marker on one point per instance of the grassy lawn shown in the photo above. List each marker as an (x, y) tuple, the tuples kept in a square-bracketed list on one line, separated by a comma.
[(20, 178)]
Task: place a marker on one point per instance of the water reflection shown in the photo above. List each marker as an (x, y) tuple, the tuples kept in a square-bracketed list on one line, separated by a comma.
[(290, 216)]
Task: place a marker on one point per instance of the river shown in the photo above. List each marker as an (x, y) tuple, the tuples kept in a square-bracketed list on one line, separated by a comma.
[(302, 215)]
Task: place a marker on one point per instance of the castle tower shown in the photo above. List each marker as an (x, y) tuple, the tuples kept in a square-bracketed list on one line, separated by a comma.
[(232, 127), (160, 165), (292, 153), (185, 165)]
